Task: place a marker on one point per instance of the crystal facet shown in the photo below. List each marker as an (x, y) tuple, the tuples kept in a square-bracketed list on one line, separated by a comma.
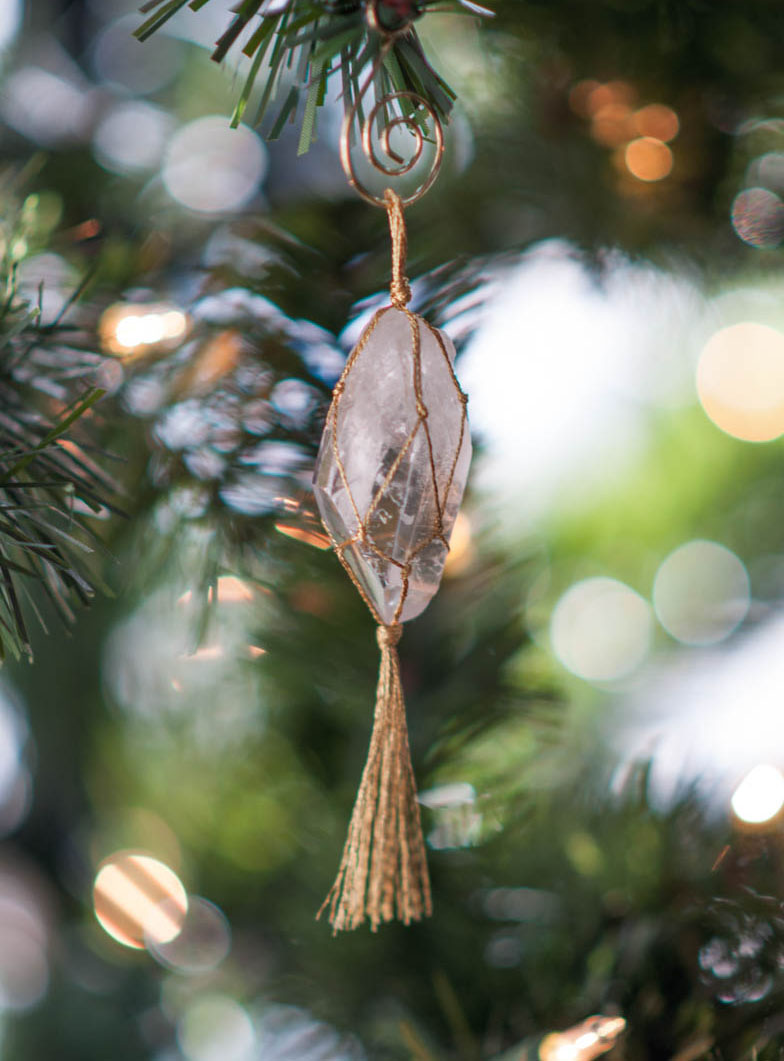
[(393, 462)]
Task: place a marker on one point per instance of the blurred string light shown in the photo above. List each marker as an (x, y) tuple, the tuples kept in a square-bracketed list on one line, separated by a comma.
[(131, 330), (639, 135), (131, 137), (139, 899), (592, 1038), (211, 168), (601, 629), (216, 1028), (759, 798), (701, 593), (740, 381), (757, 216)]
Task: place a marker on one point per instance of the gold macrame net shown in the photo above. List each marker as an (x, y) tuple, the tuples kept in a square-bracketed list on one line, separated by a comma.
[(383, 872)]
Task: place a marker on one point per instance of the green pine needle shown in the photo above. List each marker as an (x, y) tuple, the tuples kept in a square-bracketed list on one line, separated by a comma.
[(311, 40)]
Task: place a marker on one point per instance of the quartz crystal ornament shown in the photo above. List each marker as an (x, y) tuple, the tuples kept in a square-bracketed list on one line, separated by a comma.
[(393, 463), (389, 479)]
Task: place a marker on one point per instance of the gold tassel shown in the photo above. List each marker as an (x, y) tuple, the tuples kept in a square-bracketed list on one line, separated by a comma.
[(383, 873)]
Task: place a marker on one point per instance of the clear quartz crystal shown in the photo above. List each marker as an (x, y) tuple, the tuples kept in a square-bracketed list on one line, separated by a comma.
[(395, 499)]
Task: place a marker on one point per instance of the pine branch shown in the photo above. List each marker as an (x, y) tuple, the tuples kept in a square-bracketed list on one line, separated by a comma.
[(48, 486), (297, 45)]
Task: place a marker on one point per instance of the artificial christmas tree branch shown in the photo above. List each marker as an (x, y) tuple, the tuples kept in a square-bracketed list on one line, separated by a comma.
[(298, 44), (48, 483)]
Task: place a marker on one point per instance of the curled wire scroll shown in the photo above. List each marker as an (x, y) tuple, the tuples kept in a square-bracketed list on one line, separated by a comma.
[(413, 113)]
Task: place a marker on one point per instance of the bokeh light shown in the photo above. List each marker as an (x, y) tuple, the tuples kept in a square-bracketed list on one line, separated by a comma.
[(648, 159), (139, 899), (758, 217), (612, 124), (212, 168), (131, 137), (202, 943), (130, 329), (601, 629), (740, 381), (10, 21), (49, 277), (24, 963), (600, 96), (118, 59), (657, 121), (759, 797), (15, 780), (461, 548), (216, 1028), (46, 108), (458, 823), (580, 97), (701, 593)]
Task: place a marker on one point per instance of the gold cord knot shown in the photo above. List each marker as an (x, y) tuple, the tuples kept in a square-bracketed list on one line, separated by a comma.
[(389, 636), (399, 288)]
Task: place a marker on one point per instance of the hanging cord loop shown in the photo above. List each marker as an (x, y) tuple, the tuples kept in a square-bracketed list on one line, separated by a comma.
[(400, 289)]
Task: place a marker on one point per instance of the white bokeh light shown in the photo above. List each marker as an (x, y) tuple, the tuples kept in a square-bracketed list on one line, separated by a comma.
[(760, 795), (601, 629), (212, 168), (10, 21), (45, 107), (120, 59), (131, 137), (701, 593), (24, 964), (562, 368), (216, 1028), (710, 715)]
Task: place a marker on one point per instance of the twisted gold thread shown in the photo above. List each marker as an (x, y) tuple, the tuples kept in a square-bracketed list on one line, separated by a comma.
[(400, 289)]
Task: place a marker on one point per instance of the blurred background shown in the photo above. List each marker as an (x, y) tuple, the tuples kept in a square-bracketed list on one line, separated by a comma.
[(595, 696)]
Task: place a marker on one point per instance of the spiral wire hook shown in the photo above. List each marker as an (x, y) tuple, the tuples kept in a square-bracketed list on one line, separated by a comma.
[(387, 160)]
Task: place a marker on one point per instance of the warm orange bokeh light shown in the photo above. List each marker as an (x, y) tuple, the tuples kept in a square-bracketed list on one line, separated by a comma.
[(740, 381), (304, 534), (461, 549), (580, 95), (657, 121), (648, 159), (130, 330), (215, 359), (612, 125), (137, 898), (604, 95)]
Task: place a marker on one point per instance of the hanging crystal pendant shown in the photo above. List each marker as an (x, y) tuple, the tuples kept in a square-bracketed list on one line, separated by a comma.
[(393, 462)]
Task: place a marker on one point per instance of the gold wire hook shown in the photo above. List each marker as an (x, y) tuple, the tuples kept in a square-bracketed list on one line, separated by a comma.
[(387, 160)]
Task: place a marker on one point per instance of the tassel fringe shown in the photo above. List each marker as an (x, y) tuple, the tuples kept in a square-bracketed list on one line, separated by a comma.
[(383, 873)]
